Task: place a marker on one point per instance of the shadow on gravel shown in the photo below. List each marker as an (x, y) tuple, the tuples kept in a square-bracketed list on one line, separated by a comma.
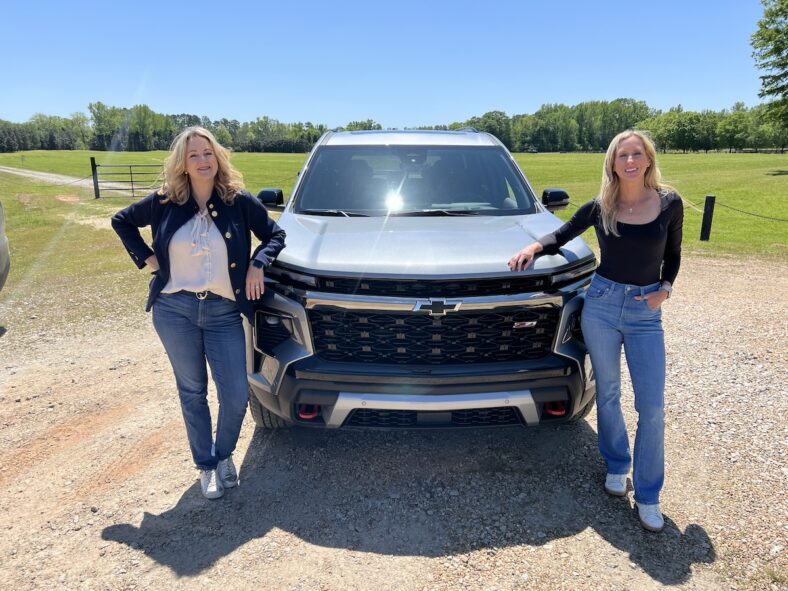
[(414, 493)]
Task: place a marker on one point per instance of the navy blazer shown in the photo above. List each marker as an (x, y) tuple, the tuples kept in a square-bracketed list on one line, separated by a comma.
[(236, 222)]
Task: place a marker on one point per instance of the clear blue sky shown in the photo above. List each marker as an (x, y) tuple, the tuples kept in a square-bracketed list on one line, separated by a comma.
[(403, 63)]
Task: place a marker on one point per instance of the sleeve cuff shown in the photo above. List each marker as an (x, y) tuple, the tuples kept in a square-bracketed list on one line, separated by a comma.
[(258, 263)]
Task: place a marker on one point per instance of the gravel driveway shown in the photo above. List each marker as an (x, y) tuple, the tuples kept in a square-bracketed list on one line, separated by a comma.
[(98, 491)]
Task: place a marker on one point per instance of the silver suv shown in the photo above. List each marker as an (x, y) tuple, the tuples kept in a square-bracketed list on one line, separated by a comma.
[(393, 306)]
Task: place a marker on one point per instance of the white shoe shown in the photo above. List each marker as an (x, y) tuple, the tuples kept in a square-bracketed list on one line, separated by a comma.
[(211, 486), (650, 517), (228, 475), (616, 484)]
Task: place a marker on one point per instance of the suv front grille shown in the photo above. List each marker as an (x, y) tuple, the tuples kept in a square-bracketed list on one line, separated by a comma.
[(411, 338), (394, 419)]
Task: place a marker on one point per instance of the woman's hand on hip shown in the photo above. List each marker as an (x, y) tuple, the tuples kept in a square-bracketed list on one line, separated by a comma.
[(654, 299), (152, 262), (255, 285), (523, 259)]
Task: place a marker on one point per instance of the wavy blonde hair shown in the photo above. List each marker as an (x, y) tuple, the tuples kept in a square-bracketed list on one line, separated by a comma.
[(176, 188), (608, 191)]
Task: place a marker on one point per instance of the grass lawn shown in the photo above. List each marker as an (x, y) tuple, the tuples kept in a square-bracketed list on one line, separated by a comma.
[(64, 256)]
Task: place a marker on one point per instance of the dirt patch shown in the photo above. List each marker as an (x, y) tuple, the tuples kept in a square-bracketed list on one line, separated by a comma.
[(100, 223), (72, 199), (59, 439), (25, 200)]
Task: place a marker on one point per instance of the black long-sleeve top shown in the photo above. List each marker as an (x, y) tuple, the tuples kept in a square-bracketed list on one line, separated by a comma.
[(643, 253)]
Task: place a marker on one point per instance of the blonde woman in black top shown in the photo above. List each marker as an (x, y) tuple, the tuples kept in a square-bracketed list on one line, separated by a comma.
[(638, 222)]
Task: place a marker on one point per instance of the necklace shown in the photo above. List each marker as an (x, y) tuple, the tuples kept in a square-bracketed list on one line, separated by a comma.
[(630, 207)]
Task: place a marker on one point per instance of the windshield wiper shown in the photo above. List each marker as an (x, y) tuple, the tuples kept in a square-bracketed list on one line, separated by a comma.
[(435, 212), (336, 212)]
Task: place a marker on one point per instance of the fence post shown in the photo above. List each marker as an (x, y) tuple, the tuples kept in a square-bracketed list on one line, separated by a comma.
[(708, 214), (94, 172), (131, 178)]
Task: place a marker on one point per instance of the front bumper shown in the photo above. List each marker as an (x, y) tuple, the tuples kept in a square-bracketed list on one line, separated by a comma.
[(290, 376)]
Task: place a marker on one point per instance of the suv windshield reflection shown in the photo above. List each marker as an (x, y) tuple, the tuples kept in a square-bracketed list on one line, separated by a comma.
[(413, 180)]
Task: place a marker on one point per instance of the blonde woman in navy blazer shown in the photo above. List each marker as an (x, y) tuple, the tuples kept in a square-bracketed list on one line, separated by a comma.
[(205, 275)]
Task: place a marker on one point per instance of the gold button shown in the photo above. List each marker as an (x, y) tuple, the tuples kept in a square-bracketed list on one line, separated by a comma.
[(237, 291), (214, 214), (210, 206), (228, 235), (232, 265)]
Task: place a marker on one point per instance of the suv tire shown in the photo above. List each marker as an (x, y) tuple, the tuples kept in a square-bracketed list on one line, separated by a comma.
[(263, 417), (584, 413)]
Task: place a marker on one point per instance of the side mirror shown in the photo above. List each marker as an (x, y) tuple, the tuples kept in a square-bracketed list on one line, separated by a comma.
[(272, 199), (555, 199)]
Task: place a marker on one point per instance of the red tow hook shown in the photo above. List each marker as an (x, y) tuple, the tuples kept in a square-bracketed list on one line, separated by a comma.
[(555, 409), (307, 412)]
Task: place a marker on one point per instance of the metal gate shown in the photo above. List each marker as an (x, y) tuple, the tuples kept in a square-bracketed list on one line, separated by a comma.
[(136, 180)]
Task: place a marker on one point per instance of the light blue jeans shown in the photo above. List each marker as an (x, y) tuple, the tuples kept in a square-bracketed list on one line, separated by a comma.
[(612, 317), (192, 331)]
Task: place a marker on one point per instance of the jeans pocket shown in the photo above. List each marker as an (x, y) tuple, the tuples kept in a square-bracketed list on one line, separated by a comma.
[(595, 292), (649, 312)]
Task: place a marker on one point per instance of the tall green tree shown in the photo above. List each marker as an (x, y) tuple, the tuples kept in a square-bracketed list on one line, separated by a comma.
[(707, 130), (496, 123), (770, 50), (369, 124), (733, 130)]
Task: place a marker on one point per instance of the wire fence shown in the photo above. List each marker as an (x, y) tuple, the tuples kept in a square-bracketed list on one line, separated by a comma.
[(694, 206)]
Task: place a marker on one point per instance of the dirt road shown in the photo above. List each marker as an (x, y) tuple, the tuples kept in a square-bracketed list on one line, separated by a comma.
[(98, 491)]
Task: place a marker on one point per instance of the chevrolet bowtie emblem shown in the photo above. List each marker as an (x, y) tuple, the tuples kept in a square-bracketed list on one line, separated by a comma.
[(437, 307)]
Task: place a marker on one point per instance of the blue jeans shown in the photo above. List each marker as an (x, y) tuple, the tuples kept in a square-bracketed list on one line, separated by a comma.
[(192, 331), (612, 317)]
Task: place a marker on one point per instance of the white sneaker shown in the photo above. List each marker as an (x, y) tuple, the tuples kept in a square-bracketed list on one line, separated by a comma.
[(616, 484), (650, 517), (228, 475), (211, 486)]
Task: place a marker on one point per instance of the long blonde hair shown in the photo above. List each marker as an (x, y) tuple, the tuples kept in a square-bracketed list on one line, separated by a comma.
[(608, 190), (176, 188)]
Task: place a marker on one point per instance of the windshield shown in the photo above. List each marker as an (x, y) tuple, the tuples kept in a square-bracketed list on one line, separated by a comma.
[(413, 180)]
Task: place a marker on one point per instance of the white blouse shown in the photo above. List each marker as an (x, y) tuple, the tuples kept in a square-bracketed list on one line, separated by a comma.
[(198, 259)]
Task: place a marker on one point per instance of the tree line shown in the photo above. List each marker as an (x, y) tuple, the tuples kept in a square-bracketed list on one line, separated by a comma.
[(588, 126)]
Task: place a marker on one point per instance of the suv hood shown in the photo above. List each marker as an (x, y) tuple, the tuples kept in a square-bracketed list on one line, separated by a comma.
[(418, 246)]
